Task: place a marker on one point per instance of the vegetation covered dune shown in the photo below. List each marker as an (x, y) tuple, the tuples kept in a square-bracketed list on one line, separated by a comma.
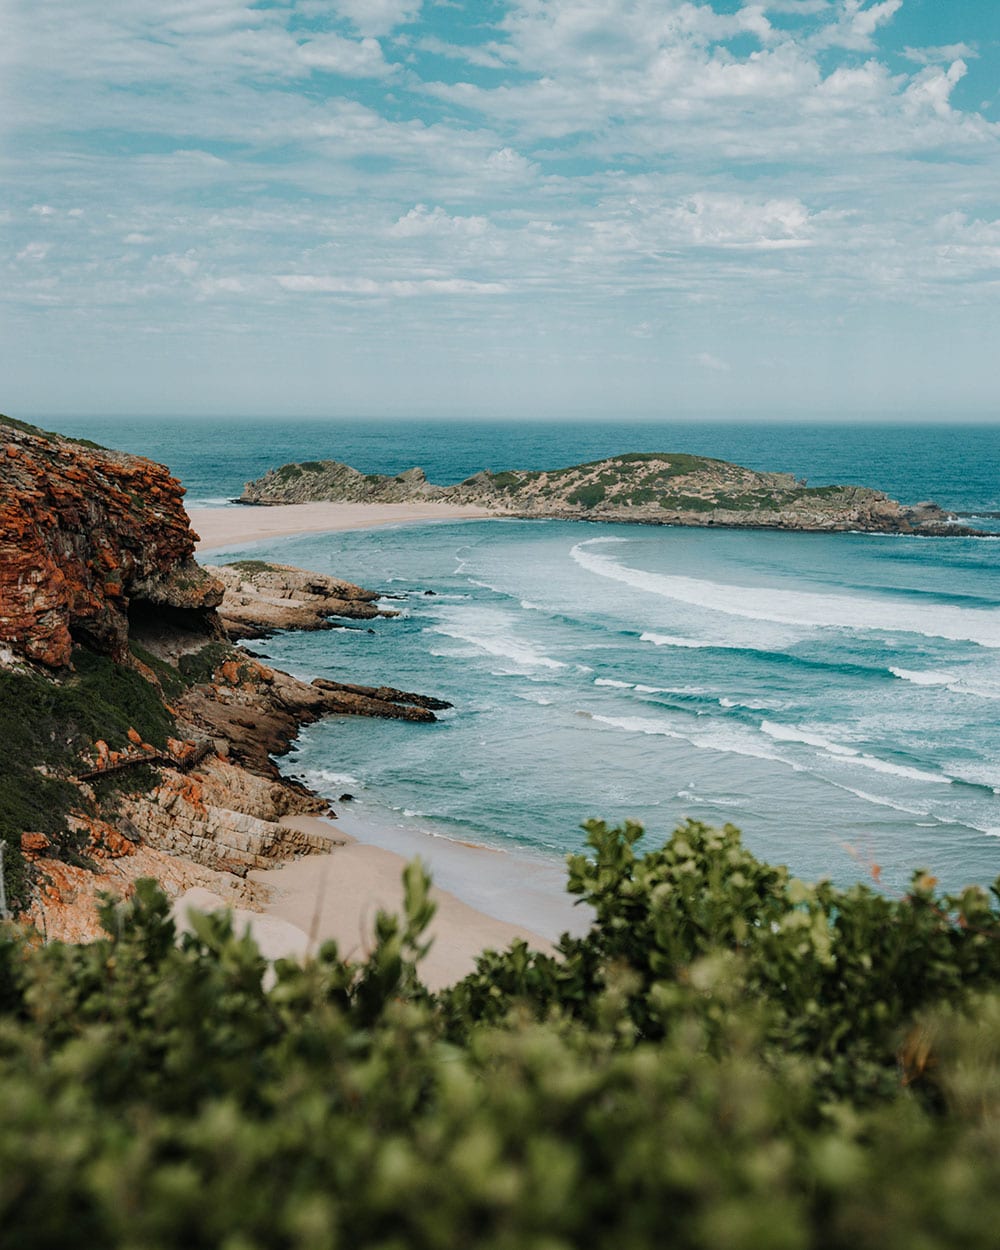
[(648, 488)]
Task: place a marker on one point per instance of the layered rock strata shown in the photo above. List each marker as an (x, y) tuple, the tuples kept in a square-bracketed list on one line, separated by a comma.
[(645, 488), (259, 598)]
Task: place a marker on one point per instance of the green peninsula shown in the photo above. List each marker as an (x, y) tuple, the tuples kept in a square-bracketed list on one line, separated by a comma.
[(650, 488)]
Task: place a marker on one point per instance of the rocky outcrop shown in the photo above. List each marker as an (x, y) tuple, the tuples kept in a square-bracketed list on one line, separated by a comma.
[(260, 598), (106, 623), (86, 537), (332, 479), (257, 711), (644, 488)]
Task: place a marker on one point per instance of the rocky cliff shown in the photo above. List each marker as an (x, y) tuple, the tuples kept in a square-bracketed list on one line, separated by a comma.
[(137, 740), (86, 536), (646, 488)]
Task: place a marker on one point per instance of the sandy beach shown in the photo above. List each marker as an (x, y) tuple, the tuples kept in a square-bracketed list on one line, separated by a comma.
[(337, 896), (226, 527)]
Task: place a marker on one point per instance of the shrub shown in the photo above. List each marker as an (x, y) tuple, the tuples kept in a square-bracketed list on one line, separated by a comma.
[(587, 496), (729, 1060)]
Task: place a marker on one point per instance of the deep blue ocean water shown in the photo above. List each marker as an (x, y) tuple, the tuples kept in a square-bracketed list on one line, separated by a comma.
[(836, 696)]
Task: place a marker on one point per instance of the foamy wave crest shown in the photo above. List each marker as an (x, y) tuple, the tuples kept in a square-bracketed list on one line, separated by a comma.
[(881, 801), (719, 738), (490, 632), (752, 705), (929, 678), (954, 682), (799, 607), (795, 733), (615, 685), (973, 775), (672, 640), (320, 777)]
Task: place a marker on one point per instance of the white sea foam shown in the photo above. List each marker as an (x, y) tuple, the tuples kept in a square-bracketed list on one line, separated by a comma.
[(796, 733), (490, 632), (881, 801), (717, 738), (837, 750), (714, 801), (900, 770), (799, 607), (672, 640), (920, 678), (977, 775), (979, 692), (321, 777), (617, 685)]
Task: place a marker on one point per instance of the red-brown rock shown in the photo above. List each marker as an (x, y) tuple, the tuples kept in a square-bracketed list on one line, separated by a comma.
[(85, 535)]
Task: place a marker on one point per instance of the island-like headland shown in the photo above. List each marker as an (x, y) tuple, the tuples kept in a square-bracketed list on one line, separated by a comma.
[(648, 488)]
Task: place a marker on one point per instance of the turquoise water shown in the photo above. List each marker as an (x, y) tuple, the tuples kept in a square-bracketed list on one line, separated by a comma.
[(835, 696)]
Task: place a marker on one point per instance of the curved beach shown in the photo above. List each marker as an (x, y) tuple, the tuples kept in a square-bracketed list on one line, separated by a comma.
[(224, 527), (337, 896)]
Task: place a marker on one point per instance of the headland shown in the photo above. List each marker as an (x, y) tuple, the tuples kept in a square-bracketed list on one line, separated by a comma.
[(648, 488)]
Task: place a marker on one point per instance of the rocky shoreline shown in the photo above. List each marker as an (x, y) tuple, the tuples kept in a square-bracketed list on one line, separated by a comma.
[(146, 737), (635, 488)]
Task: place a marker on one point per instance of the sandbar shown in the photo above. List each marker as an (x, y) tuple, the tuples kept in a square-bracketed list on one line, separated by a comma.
[(247, 523)]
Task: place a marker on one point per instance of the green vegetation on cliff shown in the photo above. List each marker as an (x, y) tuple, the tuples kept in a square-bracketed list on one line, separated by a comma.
[(729, 1060), (48, 727)]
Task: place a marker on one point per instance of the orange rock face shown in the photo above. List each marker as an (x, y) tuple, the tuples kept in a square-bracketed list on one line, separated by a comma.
[(85, 534)]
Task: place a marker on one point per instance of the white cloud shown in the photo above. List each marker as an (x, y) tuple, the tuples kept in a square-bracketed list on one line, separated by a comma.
[(351, 57), (943, 54), (421, 221), (932, 89), (856, 25), (331, 285), (377, 17), (34, 251), (707, 361), (43, 210)]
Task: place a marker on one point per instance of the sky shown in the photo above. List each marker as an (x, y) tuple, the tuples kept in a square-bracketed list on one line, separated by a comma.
[(524, 208)]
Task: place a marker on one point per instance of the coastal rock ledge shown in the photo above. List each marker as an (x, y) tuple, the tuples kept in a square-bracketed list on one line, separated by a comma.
[(648, 488)]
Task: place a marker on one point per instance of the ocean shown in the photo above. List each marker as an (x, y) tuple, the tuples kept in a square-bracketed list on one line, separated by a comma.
[(834, 696)]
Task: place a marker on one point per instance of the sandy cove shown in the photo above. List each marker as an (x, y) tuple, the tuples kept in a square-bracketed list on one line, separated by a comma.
[(336, 896), (227, 527)]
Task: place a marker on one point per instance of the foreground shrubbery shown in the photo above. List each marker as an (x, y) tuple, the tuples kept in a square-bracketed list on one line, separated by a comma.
[(729, 1059)]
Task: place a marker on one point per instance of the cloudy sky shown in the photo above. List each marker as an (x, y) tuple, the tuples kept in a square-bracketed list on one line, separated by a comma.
[(510, 207)]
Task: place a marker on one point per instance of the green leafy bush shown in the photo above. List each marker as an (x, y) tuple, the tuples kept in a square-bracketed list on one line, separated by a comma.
[(587, 496), (729, 1060)]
